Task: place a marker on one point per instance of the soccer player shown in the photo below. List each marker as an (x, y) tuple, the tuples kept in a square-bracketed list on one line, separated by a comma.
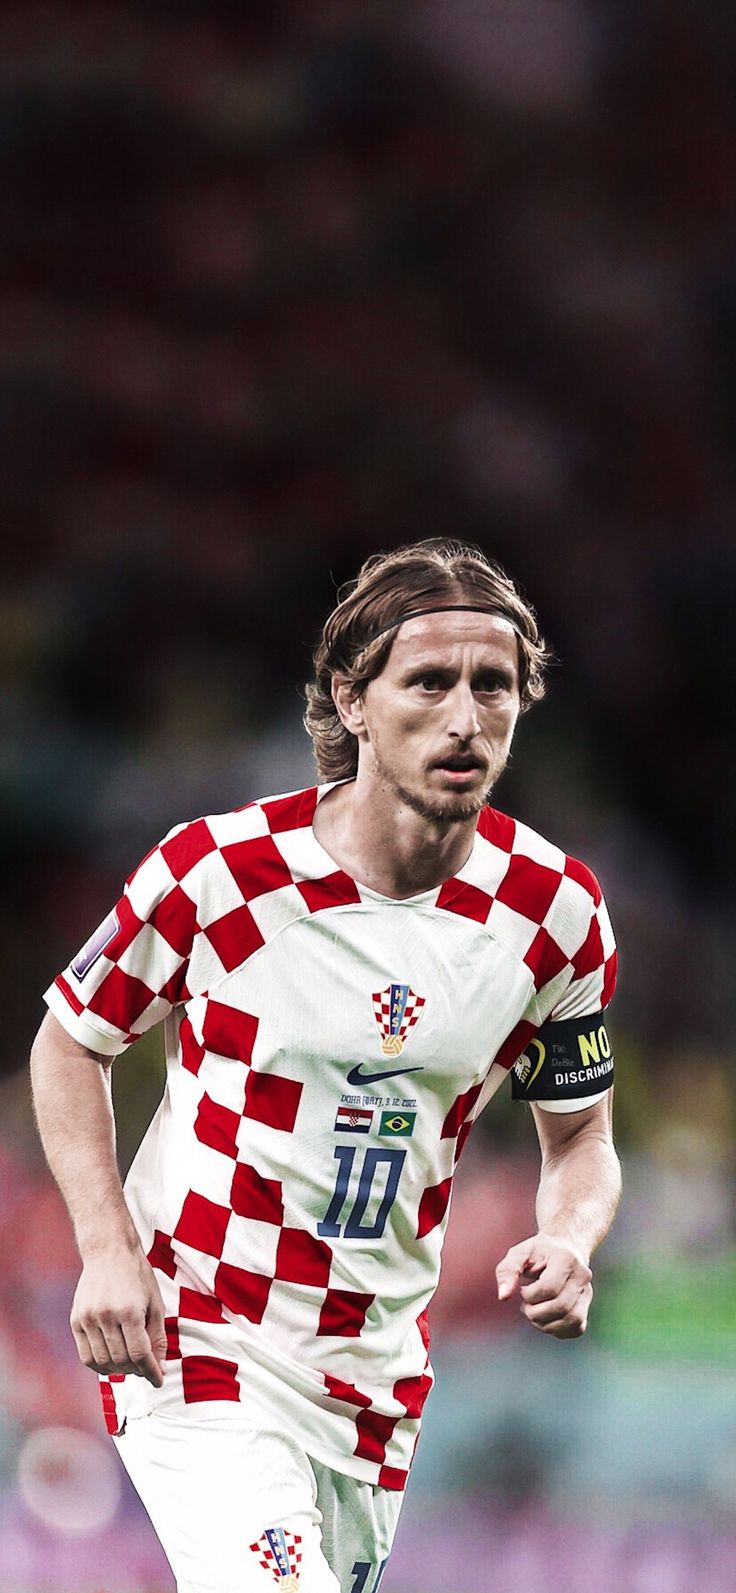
[(346, 975)]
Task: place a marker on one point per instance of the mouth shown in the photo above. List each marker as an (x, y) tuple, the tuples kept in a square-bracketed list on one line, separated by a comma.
[(460, 766)]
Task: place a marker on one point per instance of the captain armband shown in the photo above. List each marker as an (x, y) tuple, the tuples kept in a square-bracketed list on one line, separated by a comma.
[(565, 1061)]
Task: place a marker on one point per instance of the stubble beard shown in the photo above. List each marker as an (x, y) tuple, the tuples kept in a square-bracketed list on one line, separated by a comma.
[(449, 809)]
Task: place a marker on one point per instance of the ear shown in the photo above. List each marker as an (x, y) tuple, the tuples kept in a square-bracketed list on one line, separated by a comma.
[(348, 704)]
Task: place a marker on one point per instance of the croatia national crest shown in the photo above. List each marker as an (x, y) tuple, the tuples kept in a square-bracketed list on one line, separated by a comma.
[(396, 1010), (280, 1552)]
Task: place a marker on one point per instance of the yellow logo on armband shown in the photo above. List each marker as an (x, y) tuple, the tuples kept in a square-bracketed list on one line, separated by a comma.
[(525, 1068)]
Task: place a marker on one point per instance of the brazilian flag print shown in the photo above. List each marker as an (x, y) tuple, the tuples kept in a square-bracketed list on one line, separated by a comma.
[(397, 1125)]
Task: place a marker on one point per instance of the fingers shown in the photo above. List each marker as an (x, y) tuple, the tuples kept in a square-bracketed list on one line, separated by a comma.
[(565, 1316), (91, 1347), (518, 1262), (561, 1276), (553, 1283), (559, 1322), (109, 1344), (145, 1363)]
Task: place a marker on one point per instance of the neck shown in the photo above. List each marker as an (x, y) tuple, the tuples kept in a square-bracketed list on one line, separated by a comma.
[(384, 844)]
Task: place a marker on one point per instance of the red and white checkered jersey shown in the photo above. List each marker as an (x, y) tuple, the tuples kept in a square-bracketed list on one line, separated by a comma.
[(328, 1050)]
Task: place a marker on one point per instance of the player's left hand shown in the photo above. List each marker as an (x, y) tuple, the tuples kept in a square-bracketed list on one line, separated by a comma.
[(553, 1281)]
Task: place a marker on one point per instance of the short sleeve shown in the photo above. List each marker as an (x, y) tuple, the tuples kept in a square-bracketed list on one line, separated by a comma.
[(566, 1062), (133, 970), (594, 965)]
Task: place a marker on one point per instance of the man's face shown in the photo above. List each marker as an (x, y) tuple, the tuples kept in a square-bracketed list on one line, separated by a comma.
[(436, 725)]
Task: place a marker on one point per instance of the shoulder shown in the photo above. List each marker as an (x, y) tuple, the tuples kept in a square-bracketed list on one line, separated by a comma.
[(535, 870), (192, 852), (546, 903)]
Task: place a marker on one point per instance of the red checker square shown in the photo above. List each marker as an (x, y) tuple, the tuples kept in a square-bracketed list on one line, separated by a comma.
[(465, 900), (432, 1207), (300, 1258), (590, 955), (196, 1307), (529, 888), (242, 1292), (576, 870), (509, 1053), (345, 1391), (374, 1431), (459, 1111), (175, 989), (235, 937), (121, 999), (257, 866), (545, 958), (412, 1392), (217, 1126), (271, 1099), (202, 1224), (175, 918), (291, 812), (254, 1196), (335, 890), (229, 1032), (207, 1377), (187, 848), (609, 978), (173, 1347), (497, 828), (393, 1477), (423, 1325), (343, 1312), (129, 923), (161, 1254), (192, 1052)]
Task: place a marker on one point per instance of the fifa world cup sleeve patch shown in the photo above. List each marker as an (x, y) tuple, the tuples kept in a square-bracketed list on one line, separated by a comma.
[(565, 1061), (93, 948)]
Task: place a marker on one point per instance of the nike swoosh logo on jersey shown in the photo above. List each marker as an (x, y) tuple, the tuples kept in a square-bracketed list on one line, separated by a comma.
[(357, 1076)]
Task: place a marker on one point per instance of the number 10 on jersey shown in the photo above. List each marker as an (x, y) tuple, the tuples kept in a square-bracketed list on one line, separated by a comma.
[(389, 1160)]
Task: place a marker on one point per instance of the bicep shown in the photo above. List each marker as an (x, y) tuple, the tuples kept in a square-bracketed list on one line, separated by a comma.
[(53, 1040)]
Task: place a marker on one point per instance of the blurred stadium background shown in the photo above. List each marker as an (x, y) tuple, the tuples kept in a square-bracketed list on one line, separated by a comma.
[(285, 283)]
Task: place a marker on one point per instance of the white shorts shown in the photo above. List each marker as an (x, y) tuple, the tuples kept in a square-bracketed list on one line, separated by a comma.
[(240, 1508)]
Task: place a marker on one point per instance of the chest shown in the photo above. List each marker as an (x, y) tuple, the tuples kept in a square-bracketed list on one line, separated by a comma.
[(392, 1001)]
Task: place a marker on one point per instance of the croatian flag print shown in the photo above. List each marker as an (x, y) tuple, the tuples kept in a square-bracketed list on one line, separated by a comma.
[(353, 1120)]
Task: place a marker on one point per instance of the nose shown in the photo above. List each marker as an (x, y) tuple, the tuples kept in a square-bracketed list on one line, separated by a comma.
[(464, 722)]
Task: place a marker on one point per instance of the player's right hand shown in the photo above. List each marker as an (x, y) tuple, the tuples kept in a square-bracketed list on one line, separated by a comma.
[(117, 1316)]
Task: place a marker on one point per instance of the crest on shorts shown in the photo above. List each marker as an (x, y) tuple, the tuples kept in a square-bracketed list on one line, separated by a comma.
[(396, 1010), (280, 1552)]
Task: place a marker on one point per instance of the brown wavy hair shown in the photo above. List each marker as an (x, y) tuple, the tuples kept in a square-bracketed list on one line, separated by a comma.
[(418, 576)]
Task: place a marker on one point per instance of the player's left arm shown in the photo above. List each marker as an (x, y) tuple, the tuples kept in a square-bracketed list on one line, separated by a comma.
[(579, 1191)]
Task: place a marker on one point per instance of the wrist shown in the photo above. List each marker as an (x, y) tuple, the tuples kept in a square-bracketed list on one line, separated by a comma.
[(561, 1234), (107, 1234)]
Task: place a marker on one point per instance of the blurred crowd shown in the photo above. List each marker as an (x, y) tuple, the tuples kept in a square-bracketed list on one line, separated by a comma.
[(284, 284)]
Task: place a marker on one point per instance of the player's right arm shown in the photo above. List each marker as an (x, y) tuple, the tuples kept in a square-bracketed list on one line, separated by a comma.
[(117, 1316)]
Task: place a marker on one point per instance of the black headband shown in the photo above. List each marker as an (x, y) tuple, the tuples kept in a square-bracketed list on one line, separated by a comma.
[(441, 608)]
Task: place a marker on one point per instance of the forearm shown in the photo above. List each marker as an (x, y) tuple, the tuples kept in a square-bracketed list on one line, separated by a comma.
[(73, 1105), (579, 1191)]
